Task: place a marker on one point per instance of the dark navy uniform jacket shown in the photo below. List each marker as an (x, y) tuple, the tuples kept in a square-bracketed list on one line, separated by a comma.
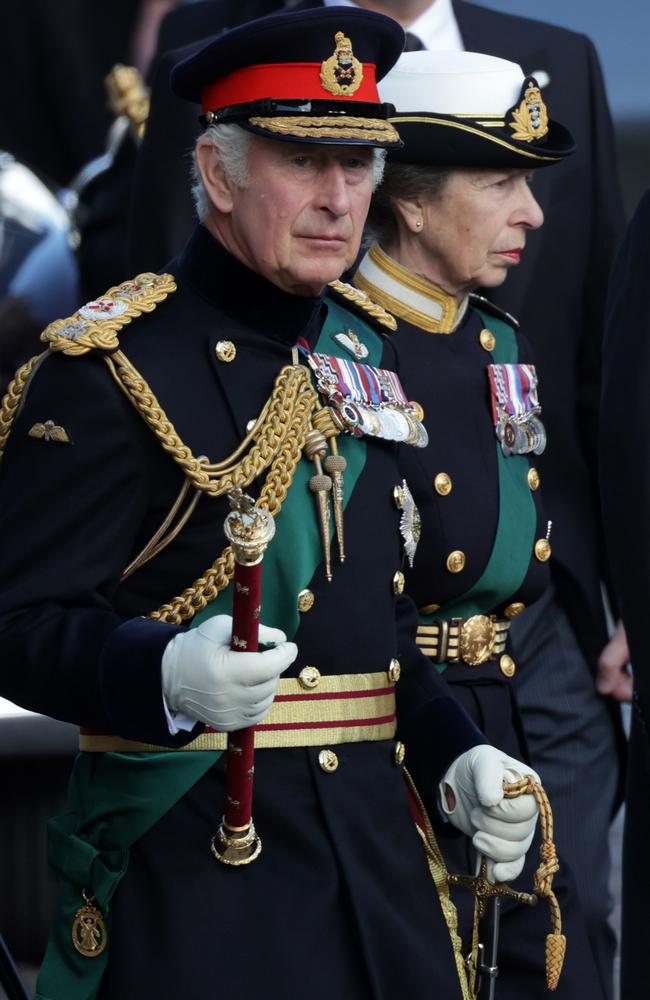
[(75, 644)]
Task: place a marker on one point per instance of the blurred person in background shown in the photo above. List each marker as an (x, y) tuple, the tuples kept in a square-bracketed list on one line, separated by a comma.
[(625, 487)]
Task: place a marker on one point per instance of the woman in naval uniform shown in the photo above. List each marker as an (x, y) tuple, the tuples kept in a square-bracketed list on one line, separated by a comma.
[(453, 215)]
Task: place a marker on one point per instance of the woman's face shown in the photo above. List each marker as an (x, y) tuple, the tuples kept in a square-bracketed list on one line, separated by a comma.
[(475, 229)]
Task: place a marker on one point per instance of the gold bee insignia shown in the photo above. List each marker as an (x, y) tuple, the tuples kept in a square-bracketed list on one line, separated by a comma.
[(49, 431)]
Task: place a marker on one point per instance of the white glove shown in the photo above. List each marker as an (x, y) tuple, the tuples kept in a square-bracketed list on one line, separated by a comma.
[(203, 678), (501, 829)]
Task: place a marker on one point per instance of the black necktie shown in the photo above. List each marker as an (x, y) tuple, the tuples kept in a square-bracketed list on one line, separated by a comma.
[(412, 43)]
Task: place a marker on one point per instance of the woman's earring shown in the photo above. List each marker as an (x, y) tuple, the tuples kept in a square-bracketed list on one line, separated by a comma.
[(418, 224)]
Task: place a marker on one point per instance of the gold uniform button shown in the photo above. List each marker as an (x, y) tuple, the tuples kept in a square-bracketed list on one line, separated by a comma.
[(428, 609), (398, 497), (507, 666), (398, 582), (309, 677), (399, 754), (487, 339), (226, 351), (305, 601), (328, 761), (394, 671), (514, 609), (443, 484), (542, 549), (456, 561), (533, 479)]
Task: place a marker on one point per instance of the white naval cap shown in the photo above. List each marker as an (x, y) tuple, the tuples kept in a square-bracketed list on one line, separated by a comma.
[(452, 83), (469, 109)]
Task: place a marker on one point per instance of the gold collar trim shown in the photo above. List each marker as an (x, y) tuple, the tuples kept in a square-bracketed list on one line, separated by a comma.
[(408, 296)]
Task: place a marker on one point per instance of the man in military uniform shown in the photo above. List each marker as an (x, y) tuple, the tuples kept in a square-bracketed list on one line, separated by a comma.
[(112, 501)]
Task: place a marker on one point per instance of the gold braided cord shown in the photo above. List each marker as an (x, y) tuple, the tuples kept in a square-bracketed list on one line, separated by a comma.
[(277, 443), (292, 396), (543, 879), (12, 397), (326, 127)]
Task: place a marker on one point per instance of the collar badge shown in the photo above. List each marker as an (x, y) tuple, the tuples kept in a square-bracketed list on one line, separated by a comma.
[(351, 343)]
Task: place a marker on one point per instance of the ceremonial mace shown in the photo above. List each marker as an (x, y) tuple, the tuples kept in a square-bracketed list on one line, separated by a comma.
[(249, 529)]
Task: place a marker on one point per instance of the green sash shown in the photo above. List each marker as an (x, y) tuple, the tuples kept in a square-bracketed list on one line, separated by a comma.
[(116, 797), (508, 564)]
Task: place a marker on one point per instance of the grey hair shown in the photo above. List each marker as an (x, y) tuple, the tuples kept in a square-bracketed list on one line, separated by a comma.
[(405, 181), (233, 144)]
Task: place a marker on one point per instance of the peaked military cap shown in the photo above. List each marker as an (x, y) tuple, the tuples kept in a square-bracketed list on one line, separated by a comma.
[(308, 75), (466, 109)]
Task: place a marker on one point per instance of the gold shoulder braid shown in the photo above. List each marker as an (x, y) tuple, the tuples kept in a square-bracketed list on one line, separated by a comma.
[(275, 442), (363, 301), (13, 396), (93, 327), (96, 325)]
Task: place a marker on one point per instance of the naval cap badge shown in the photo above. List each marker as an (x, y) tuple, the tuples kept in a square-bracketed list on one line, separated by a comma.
[(530, 117), (342, 73)]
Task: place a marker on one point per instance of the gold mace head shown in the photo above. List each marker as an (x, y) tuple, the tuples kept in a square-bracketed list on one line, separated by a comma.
[(248, 528)]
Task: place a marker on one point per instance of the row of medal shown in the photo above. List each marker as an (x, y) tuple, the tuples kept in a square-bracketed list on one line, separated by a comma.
[(367, 400), (516, 409)]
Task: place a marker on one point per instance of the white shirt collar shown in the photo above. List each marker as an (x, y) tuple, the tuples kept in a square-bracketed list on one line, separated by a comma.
[(436, 28)]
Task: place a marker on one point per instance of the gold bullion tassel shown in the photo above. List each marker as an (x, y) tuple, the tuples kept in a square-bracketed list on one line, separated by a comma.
[(543, 880), (315, 449), (335, 465), (88, 929)]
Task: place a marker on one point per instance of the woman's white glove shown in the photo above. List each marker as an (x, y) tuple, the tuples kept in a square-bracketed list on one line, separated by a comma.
[(204, 679), (501, 829)]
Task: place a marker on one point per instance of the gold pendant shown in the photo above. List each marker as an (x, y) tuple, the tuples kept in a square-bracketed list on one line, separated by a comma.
[(89, 930)]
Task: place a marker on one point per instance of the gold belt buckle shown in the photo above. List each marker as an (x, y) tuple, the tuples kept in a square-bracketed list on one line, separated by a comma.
[(478, 636)]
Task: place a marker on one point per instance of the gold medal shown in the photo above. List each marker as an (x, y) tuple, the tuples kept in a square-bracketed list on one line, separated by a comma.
[(88, 929)]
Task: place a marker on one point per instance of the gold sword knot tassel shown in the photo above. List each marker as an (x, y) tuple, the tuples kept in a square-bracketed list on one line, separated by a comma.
[(321, 485), (543, 879), (335, 465)]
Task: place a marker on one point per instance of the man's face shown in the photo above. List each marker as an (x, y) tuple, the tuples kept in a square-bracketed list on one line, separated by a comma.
[(476, 229), (299, 219)]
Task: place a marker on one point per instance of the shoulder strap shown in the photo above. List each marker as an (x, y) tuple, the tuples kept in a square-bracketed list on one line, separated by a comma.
[(361, 303)]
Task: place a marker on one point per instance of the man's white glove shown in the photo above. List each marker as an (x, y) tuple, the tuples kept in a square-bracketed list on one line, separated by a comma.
[(206, 680), (501, 829)]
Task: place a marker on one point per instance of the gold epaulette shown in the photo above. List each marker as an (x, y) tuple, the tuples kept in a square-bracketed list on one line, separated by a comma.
[(93, 327), (355, 297), (96, 325)]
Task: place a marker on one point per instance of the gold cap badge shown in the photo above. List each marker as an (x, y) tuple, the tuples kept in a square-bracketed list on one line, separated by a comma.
[(530, 118), (341, 74)]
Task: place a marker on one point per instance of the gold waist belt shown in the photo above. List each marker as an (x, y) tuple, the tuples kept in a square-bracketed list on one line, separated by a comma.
[(347, 708), (472, 640)]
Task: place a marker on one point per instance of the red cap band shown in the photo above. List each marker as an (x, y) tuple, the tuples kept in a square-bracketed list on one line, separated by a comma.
[(282, 81)]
